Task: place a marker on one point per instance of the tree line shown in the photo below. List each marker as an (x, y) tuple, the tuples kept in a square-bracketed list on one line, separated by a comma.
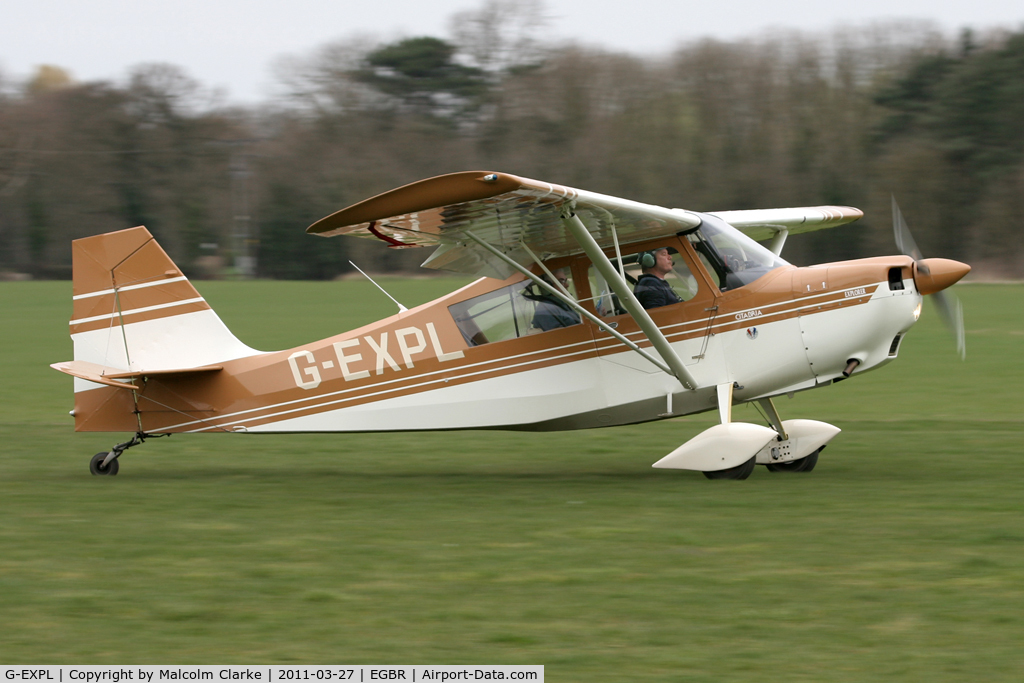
[(786, 119)]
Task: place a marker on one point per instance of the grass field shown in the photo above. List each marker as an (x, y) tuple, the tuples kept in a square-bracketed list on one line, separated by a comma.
[(900, 558)]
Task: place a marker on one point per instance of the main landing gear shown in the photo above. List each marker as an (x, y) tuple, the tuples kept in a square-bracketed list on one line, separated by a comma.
[(805, 464), (730, 450), (106, 463)]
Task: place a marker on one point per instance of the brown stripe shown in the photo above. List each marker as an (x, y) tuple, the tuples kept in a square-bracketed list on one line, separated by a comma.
[(130, 317)]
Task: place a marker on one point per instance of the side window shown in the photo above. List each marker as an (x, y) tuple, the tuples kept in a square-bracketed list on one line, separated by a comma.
[(514, 311), (677, 277)]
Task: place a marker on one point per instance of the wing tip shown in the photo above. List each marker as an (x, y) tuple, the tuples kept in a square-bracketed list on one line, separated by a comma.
[(422, 195), (844, 213)]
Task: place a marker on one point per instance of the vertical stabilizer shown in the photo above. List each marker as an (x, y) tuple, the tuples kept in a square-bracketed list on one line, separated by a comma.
[(135, 310)]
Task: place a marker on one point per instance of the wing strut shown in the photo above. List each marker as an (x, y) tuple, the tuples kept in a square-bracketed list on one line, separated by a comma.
[(778, 241), (773, 417), (619, 285), (547, 271), (568, 301), (618, 252)]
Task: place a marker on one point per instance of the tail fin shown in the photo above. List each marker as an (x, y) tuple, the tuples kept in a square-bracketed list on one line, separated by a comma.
[(134, 310)]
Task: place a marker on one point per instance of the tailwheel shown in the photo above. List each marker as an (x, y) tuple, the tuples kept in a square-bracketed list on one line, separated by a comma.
[(97, 467), (805, 464), (739, 472)]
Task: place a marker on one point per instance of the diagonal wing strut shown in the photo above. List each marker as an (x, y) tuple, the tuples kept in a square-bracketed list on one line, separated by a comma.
[(628, 300)]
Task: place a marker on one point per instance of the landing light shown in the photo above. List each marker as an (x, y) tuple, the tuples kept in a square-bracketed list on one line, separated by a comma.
[(917, 310)]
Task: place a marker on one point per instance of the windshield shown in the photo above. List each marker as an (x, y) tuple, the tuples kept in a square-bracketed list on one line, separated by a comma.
[(731, 257)]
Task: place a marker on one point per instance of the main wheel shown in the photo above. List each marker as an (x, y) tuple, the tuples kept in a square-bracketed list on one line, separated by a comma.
[(805, 464), (97, 468), (739, 472)]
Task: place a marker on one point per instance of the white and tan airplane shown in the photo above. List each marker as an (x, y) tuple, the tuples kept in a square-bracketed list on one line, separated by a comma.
[(590, 311)]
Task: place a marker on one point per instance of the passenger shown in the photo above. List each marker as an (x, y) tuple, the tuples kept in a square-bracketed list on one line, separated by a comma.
[(651, 288), (551, 312)]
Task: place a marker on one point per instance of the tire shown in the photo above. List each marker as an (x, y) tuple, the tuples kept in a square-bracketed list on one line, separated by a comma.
[(739, 472), (96, 465), (805, 464)]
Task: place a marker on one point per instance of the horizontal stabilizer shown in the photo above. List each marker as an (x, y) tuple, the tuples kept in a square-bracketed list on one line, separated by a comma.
[(111, 376), (719, 448)]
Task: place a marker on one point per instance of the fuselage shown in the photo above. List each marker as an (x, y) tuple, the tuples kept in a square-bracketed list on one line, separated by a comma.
[(789, 330)]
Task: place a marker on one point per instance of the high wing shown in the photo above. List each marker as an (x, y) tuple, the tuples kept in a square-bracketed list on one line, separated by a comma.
[(763, 224), (523, 218), (502, 209)]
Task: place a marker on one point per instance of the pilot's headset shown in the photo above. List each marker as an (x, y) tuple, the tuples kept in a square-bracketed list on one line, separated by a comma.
[(646, 259)]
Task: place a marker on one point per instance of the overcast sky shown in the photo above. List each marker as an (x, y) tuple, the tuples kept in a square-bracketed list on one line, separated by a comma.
[(231, 44)]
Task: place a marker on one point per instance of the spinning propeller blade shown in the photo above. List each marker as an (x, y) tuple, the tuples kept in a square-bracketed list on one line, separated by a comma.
[(904, 240), (946, 273)]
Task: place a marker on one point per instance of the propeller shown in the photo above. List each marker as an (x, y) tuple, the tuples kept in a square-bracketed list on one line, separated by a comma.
[(932, 277)]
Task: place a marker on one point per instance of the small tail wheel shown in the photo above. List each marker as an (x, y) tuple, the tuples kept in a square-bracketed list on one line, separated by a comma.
[(802, 465), (97, 468)]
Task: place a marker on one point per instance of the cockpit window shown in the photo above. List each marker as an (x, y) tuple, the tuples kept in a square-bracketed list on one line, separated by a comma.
[(732, 258)]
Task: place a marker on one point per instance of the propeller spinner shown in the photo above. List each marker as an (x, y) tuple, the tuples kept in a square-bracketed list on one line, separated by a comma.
[(932, 276)]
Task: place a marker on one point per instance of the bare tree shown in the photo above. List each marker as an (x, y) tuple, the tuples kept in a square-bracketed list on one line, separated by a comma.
[(784, 118), (324, 83), (500, 35)]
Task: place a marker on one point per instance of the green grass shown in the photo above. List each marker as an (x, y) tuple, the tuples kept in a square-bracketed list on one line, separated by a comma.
[(901, 557)]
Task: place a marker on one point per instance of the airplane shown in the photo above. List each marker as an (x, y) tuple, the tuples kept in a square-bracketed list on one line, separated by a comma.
[(589, 311)]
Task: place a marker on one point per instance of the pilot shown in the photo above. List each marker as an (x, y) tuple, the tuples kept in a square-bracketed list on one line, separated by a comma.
[(551, 312), (651, 288)]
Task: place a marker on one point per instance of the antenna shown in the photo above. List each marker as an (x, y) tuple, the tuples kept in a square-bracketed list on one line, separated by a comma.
[(401, 308)]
